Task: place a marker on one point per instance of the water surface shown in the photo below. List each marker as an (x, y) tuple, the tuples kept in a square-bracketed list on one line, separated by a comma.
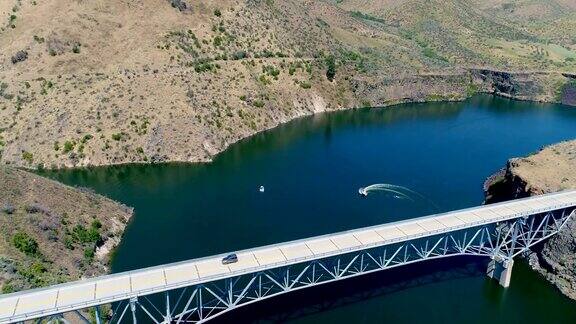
[(311, 169)]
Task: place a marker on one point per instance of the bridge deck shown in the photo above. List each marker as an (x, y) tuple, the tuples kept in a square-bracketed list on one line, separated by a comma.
[(115, 287)]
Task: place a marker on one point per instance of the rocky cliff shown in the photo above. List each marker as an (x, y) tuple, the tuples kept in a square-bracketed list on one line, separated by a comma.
[(551, 169)]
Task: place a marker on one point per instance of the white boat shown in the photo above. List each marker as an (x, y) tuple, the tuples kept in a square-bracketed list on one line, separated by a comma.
[(261, 189), (363, 192)]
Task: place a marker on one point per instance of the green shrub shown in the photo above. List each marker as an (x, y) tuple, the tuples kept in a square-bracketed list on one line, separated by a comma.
[(26, 244), (266, 53), (89, 254), (271, 71), (34, 274), (264, 80), (472, 89), (217, 12), (8, 288), (238, 55), (39, 39), (38, 268), (330, 67), (69, 146), (83, 235), (361, 15), (430, 53), (86, 138), (69, 242), (28, 157), (204, 65)]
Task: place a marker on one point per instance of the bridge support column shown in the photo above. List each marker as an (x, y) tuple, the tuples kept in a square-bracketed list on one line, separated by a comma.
[(133, 302), (97, 314), (506, 274), (500, 270), (168, 316)]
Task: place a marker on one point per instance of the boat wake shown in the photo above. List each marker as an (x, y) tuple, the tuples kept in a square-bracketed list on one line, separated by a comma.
[(398, 192)]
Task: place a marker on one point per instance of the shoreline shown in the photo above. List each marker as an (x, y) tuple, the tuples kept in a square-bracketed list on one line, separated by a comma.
[(391, 105), (259, 132), (186, 141)]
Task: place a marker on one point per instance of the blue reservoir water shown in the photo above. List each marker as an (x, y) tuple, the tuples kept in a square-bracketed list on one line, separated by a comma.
[(311, 169)]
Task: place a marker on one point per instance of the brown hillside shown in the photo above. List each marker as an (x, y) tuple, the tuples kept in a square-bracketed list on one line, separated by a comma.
[(51, 233), (117, 81)]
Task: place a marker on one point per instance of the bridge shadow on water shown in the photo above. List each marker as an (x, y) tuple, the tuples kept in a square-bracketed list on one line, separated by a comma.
[(309, 301)]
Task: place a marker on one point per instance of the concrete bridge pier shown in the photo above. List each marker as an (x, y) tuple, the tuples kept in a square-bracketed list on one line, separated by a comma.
[(501, 270)]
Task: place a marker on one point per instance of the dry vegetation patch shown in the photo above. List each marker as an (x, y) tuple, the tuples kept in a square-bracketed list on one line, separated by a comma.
[(51, 233)]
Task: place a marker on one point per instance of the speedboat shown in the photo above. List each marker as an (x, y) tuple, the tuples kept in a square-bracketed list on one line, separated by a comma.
[(261, 189), (363, 192)]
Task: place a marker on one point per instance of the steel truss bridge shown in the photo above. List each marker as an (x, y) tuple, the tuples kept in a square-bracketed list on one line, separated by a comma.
[(198, 290)]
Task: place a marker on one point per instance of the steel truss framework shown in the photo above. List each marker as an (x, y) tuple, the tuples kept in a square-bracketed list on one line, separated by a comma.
[(200, 303)]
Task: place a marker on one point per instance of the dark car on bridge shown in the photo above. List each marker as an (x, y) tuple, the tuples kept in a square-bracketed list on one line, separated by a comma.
[(230, 258)]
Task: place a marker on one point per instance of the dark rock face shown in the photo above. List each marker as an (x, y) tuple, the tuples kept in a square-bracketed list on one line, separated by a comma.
[(514, 85), (20, 56), (414, 88), (502, 82), (557, 260), (179, 4), (569, 94), (505, 185)]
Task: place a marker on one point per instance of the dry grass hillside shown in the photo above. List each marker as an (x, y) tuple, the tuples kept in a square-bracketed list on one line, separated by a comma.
[(117, 81), (51, 233), (551, 169)]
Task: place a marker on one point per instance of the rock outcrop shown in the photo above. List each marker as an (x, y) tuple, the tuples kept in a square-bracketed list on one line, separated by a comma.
[(551, 169)]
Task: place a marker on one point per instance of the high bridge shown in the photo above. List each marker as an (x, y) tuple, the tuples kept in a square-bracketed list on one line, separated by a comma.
[(201, 289)]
